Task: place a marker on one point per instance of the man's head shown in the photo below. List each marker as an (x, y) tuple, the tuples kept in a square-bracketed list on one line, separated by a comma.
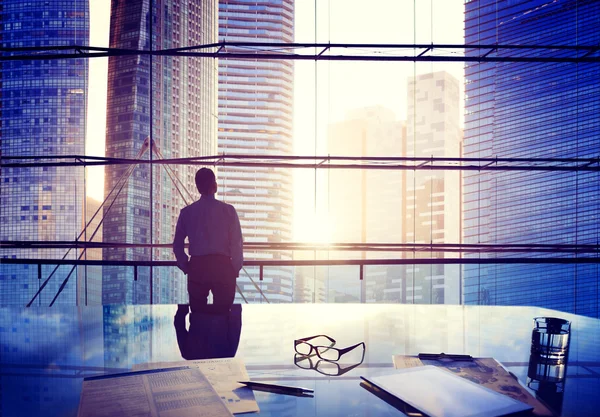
[(206, 181)]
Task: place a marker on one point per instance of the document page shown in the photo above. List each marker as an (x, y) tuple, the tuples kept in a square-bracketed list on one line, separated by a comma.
[(181, 392), (223, 374)]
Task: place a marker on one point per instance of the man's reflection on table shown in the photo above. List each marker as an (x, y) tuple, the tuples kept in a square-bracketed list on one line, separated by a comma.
[(210, 335)]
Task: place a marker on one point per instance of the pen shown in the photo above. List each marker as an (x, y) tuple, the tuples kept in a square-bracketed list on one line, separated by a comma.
[(275, 387), (438, 356)]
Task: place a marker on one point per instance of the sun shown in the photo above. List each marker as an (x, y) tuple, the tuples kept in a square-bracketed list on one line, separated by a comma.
[(314, 228)]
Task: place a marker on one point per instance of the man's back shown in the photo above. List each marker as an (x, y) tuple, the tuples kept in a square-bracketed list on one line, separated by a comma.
[(216, 254), (212, 228)]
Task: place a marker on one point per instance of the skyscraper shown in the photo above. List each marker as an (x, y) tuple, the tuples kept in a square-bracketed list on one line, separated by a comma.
[(532, 110), (43, 112), (367, 204), (176, 98), (255, 117), (431, 201)]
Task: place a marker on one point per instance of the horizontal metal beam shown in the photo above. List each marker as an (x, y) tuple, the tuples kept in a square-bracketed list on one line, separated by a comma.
[(315, 262), (306, 45), (209, 158), (303, 45), (335, 52), (348, 246), (322, 162)]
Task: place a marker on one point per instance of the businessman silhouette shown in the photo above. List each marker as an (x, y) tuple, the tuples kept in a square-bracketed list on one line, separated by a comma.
[(215, 246)]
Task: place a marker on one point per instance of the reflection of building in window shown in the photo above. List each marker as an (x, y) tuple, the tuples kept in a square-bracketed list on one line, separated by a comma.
[(432, 198), (255, 117), (135, 334), (56, 345)]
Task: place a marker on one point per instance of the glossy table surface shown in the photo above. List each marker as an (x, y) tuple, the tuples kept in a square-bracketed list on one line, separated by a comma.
[(46, 352)]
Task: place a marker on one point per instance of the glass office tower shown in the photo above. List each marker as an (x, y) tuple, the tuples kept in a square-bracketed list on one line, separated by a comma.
[(255, 117), (42, 112), (431, 199), (541, 110), (176, 97)]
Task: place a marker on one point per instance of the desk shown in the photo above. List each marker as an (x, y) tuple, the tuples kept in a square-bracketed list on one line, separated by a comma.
[(46, 352)]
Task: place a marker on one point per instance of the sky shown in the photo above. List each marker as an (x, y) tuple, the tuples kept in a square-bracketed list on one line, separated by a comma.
[(324, 92)]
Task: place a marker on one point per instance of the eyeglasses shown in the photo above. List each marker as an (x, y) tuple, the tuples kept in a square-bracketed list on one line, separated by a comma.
[(327, 353), (324, 367)]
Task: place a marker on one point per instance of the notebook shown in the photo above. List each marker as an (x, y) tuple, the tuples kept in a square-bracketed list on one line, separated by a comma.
[(439, 393)]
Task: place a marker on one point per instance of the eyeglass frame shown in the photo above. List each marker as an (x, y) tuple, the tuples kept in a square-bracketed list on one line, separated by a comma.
[(314, 348)]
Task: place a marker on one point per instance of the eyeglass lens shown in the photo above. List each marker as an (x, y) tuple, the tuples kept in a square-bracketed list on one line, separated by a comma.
[(327, 353), (303, 348)]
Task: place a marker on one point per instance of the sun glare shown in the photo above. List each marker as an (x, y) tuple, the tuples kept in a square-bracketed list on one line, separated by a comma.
[(315, 228)]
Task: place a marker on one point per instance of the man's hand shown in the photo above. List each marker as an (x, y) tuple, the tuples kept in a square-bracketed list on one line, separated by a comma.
[(182, 310)]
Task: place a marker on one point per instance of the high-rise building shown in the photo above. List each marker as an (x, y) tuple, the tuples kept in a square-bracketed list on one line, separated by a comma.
[(176, 98), (42, 112), (532, 110), (366, 204), (255, 117), (431, 200), (90, 276)]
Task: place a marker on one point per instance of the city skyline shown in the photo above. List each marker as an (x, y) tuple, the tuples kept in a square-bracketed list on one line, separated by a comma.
[(323, 92), (535, 109)]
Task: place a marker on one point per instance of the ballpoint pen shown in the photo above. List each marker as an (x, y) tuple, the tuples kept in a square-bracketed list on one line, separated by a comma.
[(275, 387), (445, 356)]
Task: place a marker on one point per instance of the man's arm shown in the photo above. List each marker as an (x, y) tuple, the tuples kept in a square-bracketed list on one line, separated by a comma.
[(179, 244), (180, 331), (236, 245)]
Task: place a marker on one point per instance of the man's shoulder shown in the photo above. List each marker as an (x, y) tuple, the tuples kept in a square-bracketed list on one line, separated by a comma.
[(225, 205), (190, 206), (198, 203)]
